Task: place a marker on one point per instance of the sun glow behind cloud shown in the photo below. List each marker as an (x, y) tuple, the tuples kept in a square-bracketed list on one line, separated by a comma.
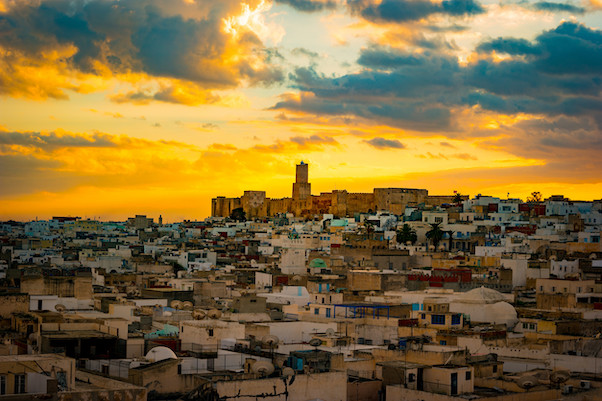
[(253, 19)]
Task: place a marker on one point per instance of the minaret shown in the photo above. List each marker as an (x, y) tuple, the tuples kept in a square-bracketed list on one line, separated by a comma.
[(301, 186), (160, 221)]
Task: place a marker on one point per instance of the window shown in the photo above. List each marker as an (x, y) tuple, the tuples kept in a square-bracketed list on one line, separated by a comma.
[(438, 319), (531, 326), (19, 384), (2, 385), (525, 325), (423, 316), (455, 319), (210, 332), (316, 311), (553, 289), (253, 301), (327, 312), (411, 377), (494, 368), (468, 375)]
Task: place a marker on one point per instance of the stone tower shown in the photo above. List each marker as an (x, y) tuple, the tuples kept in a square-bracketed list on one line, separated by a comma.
[(301, 186)]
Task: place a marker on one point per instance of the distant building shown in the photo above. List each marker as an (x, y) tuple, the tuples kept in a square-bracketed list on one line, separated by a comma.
[(338, 202)]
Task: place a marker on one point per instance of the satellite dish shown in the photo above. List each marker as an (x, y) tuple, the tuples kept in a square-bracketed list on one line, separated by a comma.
[(199, 314), (593, 256), (176, 304), (527, 382), (560, 376), (296, 279), (315, 342), (372, 293), (330, 332), (287, 372), (271, 341), (214, 314), (187, 305), (60, 307), (264, 368)]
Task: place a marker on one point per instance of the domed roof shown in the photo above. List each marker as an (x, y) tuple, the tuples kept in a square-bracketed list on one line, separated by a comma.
[(317, 262), (482, 295)]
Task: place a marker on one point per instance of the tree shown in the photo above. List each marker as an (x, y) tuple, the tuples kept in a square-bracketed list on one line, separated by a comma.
[(406, 234), (435, 234), (238, 214), (535, 197), (457, 198)]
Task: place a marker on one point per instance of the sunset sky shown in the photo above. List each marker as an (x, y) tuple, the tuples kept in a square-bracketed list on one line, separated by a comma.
[(116, 108)]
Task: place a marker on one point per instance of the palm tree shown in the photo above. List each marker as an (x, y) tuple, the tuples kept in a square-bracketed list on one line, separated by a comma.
[(435, 234), (406, 234)]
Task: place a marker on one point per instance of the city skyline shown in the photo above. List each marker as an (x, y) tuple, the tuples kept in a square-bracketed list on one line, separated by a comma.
[(116, 108)]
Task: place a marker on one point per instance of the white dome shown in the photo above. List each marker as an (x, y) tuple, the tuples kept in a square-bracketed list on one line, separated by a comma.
[(160, 353), (482, 295), (497, 313)]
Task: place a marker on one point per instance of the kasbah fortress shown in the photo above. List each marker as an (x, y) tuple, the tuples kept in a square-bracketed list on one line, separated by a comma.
[(340, 203)]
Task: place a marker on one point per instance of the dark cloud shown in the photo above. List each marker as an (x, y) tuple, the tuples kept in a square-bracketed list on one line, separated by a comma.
[(301, 51), (558, 7), (560, 74), (405, 94), (399, 11), (54, 140), (310, 5), (378, 57), (510, 46), (382, 143), (313, 140), (185, 42), (556, 77), (450, 28)]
